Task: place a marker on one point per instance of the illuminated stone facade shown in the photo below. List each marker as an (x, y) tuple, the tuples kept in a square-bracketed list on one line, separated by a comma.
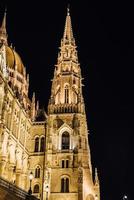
[(53, 146)]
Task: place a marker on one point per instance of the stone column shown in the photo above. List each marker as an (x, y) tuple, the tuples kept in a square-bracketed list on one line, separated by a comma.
[(24, 181), (11, 173), (18, 177), (3, 151), (2, 167)]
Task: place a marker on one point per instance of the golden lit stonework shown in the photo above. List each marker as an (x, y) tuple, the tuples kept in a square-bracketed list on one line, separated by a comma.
[(52, 147)]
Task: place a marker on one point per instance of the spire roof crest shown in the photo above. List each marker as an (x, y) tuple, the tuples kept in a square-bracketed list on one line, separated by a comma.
[(68, 33), (3, 32), (3, 25)]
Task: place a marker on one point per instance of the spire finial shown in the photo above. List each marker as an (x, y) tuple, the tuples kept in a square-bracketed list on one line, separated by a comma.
[(68, 33), (68, 9), (96, 177), (3, 32), (33, 97)]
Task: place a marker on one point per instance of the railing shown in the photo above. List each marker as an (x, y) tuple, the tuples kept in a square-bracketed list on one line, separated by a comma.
[(63, 108), (15, 190)]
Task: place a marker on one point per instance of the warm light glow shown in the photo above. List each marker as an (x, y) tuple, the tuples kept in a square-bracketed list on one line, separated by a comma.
[(124, 197), (47, 188), (31, 176)]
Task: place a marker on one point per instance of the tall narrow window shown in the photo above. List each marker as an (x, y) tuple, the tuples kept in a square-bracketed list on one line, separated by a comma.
[(36, 189), (42, 144), (58, 97), (36, 147), (37, 172), (63, 163), (67, 185), (66, 94), (74, 97), (67, 162), (65, 140), (64, 185)]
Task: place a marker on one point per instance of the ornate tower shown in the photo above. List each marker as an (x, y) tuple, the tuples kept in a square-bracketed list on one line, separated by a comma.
[(68, 173), (3, 32), (3, 42)]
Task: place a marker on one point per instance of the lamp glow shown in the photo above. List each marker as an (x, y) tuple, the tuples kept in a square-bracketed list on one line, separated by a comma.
[(47, 188), (31, 176), (125, 197)]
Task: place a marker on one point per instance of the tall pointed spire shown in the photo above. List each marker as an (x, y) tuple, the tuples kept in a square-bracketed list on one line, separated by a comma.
[(68, 33), (3, 32), (66, 92)]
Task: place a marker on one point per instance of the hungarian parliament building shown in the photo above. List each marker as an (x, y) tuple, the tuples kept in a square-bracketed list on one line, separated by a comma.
[(50, 147)]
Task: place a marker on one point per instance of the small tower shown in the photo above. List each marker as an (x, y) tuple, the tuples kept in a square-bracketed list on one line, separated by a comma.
[(3, 32), (3, 42), (33, 111), (96, 185), (68, 160)]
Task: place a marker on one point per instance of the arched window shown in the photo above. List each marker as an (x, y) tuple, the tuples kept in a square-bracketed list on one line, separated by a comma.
[(74, 97), (36, 189), (42, 144), (67, 163), (36, 147), (37, 172), (63, 163), (90, 197), (67, 185), (66, 94), (64, 185), (65, 140)]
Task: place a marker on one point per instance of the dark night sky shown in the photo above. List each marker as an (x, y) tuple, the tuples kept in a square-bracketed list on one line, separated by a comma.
[(105, 38)]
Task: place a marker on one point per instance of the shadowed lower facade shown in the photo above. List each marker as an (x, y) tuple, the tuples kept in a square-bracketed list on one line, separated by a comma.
[(53, 145)]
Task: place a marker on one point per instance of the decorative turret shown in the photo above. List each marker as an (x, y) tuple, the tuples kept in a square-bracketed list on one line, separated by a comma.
[(96, 179), (12, 67), (27, 83), (96, 185), (33, 111), (3, 41), (3, 32), (66, 93), (37, 107)]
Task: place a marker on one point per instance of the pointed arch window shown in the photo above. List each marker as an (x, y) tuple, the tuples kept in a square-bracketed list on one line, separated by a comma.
[(65, 140), (63, 163), (67, 163), (37, 172), (36, 189), (36, 146), (42, 144), (66, 94), (64, 185)]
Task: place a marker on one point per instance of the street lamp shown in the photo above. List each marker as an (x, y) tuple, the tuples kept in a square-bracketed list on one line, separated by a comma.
[(125, 197), (47, 189), (30, 178)]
